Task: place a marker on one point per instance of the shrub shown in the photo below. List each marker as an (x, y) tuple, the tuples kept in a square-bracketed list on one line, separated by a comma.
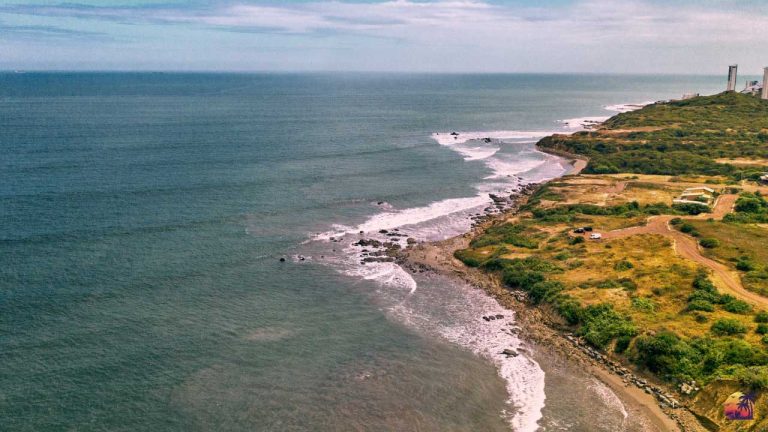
[(728, 327), (691, 209), (762, 329), (568, 308), (701, 282), (545, 291), (562, 256), (622, 343), (576, 240), (643, 304), (700, 318), (755, 377), (700, 305), (623, 265), (761, 317), (676, 221), (709, 243), (737, 306), (515, 278), (664, 354), (745, 264), (601, 324)]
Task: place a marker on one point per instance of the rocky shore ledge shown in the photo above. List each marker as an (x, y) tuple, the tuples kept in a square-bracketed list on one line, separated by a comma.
[(662, 407)]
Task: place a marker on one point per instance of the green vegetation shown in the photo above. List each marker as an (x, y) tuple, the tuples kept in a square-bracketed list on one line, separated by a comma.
[(730, 327), (634, 296), (513, 234), (569, 213), (750, 208), (676, 138), (741, 246)]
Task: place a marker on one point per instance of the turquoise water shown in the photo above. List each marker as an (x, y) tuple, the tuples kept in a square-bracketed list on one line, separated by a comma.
[(143, 216)]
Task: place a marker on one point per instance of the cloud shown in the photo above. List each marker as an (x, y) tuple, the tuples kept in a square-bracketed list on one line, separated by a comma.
[(45, 31), (421, 35), (602, 19)]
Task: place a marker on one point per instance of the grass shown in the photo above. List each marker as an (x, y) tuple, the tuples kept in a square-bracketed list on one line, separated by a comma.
[(678, 138), (739, 243)]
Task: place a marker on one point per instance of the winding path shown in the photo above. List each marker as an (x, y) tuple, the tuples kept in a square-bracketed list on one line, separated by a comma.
[(687, 247)]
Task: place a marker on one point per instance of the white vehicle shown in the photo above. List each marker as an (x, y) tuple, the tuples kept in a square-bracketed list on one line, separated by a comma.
[(595, 236)]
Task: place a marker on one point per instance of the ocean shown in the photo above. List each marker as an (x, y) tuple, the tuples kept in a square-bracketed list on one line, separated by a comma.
[(144, 215)]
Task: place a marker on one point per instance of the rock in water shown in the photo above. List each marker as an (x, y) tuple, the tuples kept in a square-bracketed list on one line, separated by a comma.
[(509, 352)]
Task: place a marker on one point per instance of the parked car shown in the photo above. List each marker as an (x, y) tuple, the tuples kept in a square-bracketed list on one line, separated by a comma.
[(595, 236), (587, 228), (579, 230)]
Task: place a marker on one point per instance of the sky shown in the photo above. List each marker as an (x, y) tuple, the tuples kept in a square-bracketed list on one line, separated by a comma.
[(554, 36)]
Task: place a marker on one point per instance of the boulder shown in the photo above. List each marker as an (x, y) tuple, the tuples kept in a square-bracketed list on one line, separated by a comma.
[(509, 352)]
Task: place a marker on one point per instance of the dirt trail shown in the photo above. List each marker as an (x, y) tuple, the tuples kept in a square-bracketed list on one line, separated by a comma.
[(687, 247)]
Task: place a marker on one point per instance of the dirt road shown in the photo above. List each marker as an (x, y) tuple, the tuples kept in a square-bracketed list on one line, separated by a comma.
[(687, 247)]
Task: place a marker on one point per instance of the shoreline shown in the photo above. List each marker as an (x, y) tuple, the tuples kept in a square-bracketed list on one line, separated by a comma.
[(542, 327)]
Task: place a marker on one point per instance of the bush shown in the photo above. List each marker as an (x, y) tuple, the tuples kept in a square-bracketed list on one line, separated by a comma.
[(728, 327), (576, 240), (700, 305), (756, 377), (687, 228), (762, 329), (709, 243), (745, 264), (623, 265), (761, 317), (568, 308), (622, 343), (515, 278), (700, 318), (644, 304), (737, 306), (601, 324), (691, 209), (545, 291), (665, 354)]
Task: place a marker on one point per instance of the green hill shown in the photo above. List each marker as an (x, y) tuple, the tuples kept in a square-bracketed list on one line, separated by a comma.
[(675, 138)]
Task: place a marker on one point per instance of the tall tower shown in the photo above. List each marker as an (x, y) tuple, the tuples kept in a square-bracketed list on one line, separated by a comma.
[(765, 84), (732, 72)]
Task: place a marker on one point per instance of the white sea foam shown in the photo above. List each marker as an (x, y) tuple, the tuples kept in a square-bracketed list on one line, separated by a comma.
[(454, 310), (461, 304), (446, 139), (608, 397), (627, 106), (581, 123)]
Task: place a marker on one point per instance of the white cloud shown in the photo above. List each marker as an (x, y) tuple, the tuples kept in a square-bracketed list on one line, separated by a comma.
[(631, 35)]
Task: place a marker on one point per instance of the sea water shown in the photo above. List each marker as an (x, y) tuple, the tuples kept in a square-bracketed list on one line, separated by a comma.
[(143, 216)]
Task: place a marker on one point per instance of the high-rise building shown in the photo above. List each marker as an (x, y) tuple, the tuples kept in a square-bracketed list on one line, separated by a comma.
[(765, 84), (732, 72)]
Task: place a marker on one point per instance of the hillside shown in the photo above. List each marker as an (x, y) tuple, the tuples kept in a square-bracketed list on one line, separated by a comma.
[(680, 137)]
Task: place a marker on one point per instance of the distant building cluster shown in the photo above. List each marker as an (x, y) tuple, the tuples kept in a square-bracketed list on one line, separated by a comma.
[(752, 87)]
